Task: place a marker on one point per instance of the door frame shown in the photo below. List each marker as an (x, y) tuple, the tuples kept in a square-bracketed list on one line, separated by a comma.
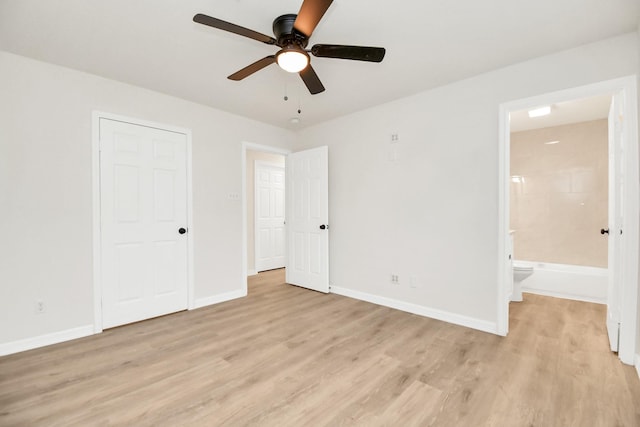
[(255, 206), (97, 237), (629, 287), (265, 149)]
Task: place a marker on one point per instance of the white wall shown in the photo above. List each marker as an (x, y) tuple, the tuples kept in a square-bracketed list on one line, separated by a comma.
[(433, 212), (46, 198)]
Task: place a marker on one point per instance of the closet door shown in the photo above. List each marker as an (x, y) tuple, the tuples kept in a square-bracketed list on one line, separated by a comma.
[(143, 205)]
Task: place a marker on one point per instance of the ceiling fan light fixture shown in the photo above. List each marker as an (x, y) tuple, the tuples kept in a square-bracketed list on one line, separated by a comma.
[(292, 58)]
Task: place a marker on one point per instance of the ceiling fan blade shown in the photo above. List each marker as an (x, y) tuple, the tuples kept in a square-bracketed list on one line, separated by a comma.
[(232, 28), (311, 80), (358, 53), (250, 69), (310, 14)]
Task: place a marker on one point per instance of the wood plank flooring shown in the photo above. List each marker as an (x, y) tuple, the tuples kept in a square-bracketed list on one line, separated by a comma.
[(286, 356)]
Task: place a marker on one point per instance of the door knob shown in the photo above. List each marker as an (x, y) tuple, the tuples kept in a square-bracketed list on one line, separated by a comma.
[(322, 227), (182, 230), (604, 231)]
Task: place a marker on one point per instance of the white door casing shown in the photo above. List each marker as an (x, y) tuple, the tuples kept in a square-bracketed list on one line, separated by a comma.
[(143, 204), (307, 219), (270, 234), (615, 221)]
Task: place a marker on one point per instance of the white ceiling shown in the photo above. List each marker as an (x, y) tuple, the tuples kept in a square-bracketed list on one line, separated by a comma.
[(155, 45), (562, 113)]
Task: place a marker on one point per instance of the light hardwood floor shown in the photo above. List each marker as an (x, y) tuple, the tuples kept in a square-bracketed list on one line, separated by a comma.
[(286, 356)]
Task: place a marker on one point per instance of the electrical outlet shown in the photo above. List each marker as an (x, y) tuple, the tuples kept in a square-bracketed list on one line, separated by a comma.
[(233, 196), (40, 307), (394, 138), (395, 279)]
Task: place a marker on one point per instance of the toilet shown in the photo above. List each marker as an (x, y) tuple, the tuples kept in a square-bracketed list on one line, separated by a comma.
[(520, 273)]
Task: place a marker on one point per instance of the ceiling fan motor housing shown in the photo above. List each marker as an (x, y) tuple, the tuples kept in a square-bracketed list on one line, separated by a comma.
[(286, 34)]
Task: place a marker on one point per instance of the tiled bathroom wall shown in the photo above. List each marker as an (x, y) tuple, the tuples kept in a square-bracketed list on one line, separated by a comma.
[(559, 191)]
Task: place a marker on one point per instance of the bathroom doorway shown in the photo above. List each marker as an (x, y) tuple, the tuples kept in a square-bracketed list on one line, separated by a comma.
[(558, 199), (552, 180)]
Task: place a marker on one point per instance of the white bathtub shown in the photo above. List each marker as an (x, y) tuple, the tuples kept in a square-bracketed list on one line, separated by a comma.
[(567, 281)]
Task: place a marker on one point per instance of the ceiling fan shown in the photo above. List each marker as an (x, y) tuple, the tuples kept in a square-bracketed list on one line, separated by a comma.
[(292, 33)]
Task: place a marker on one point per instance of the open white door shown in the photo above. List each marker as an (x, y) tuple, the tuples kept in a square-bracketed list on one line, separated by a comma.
[(307, 219), (615, 224)]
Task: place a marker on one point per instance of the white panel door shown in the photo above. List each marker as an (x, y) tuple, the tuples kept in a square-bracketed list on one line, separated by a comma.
[(307, 219), (143, 208), (270, 237), (616, 205)]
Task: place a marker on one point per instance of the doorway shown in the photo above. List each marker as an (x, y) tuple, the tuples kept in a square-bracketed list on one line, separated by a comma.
[(267, 156), (306, 216), (266, 236), (559, 170), (623, 288)]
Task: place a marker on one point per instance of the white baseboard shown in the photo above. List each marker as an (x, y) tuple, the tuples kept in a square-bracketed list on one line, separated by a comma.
[(44, 340), (469, 322), (252, 273), (216, 299), (84, 331), (564, 295), (638, 364)]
